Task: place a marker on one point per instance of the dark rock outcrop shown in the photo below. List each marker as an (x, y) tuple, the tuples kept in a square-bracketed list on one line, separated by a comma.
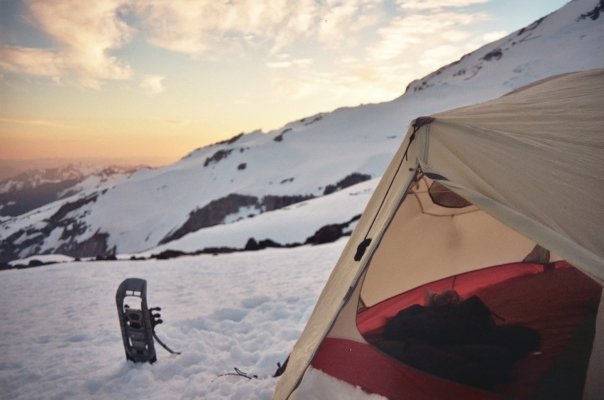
[(312, 121), (69, 207), (31, 240), (253, 245), (493, 55), (212, 214), (233, 139), (215, 212), (96, 245), (331, 233), (216, 157), (326, 234), (595, 13), (270, 202), (531, 27), (279, 137), (350, 180), (167, 254)]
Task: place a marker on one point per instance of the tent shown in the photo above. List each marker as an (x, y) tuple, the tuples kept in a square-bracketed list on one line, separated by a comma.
[(503, 200)]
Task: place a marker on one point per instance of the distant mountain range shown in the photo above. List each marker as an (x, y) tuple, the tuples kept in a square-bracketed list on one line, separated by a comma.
[(38, 187), (287, 184)]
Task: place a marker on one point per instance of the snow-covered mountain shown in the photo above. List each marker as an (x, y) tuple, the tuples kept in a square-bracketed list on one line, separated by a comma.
[(303, 176), (39, 186)]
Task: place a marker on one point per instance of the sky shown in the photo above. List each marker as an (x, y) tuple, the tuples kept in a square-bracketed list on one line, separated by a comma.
[(156, 79)]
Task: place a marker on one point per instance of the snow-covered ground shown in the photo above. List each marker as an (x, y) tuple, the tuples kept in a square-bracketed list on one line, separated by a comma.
[(60, 336)]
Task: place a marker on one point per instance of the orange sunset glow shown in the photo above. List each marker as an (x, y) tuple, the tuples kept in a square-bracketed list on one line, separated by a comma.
[(157, 79)]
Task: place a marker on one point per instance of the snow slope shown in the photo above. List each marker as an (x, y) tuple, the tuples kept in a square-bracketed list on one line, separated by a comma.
[(292, 224), (258, 172)]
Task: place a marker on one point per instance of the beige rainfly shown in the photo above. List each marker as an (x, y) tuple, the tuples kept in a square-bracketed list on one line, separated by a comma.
[(531, 164)]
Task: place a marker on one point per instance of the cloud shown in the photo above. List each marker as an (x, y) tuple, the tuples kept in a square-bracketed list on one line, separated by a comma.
[(196, 27), (414, 34), (152, 84), (350, 84), (285, 62), (336, 22), (492, 36), (406, 47), (209, 26), (84, 33), (433, 57), (279, 64), (437, 4), (30, 61), (36, 122), (178, 123), (302, 62), (348, 43)]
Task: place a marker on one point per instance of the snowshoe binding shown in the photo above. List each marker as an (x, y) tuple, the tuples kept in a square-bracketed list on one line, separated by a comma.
[(135, 320), (138, 322)]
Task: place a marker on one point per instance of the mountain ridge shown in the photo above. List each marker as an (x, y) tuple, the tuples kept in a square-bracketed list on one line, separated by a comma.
[(36, 187), (300, 160)]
